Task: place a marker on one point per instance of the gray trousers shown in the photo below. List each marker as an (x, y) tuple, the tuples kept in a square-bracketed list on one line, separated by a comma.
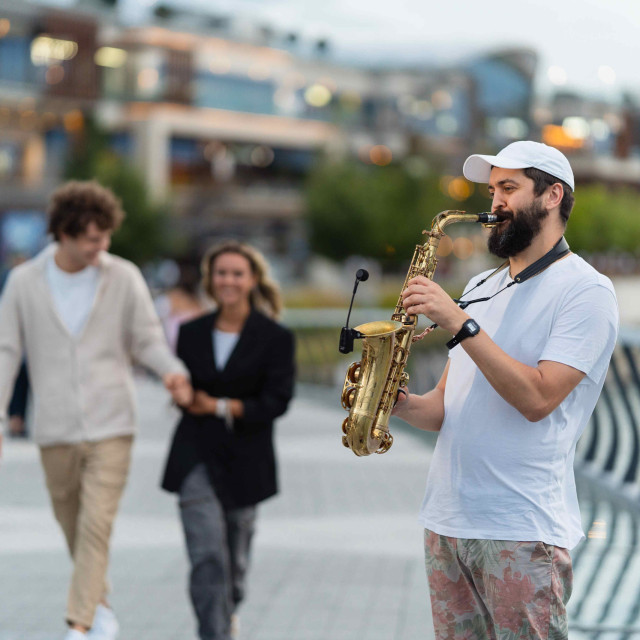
[(218, 544)]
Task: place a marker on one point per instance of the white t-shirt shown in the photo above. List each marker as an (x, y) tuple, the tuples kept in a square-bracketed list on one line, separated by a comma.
[(73, 294), (495, 475), (223, 344)]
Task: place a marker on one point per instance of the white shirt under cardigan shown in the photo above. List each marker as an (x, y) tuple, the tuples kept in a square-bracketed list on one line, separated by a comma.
[(495, 475), (73, 294)]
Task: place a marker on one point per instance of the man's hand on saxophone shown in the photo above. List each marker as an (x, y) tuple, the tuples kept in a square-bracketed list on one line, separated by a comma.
[(423, 412), (423, 295)]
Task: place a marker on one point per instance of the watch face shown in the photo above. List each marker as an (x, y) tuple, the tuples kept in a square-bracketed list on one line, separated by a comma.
[(472, 326)]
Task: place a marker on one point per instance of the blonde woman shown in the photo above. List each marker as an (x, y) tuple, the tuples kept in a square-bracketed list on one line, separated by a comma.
[(222, 461)]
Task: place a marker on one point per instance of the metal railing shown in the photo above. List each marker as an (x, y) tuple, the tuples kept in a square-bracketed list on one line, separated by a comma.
[(606, 600)]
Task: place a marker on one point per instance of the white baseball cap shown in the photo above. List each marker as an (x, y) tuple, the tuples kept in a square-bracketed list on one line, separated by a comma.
[(520, 155)]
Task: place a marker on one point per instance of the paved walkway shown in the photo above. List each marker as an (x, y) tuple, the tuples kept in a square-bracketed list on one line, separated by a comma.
[(338, 554)]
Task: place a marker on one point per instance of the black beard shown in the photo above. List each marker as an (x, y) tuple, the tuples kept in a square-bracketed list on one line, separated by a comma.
[(519, 233)]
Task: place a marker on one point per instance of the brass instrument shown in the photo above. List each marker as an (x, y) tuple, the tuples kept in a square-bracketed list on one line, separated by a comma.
[(371, 385)]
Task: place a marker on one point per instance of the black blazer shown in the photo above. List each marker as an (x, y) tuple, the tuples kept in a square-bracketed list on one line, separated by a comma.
[(260, 372)]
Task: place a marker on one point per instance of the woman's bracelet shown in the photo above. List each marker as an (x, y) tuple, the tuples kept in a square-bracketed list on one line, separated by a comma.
[(223, 410)]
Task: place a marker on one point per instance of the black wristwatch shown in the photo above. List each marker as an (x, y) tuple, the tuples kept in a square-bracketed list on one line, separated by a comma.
[(469, 328)]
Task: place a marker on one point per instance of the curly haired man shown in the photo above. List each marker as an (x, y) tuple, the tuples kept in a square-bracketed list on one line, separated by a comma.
[(81, 315)]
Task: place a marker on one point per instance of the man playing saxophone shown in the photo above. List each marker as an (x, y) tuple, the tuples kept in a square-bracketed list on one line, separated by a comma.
[(526, 365)]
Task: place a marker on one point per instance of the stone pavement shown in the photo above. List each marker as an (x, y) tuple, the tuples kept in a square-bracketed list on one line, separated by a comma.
[(337, 555)]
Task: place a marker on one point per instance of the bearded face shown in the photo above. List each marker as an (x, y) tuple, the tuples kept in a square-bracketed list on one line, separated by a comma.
[(516, 234)]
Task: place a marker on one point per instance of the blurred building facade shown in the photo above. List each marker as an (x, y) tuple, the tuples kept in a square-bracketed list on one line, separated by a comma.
[(224, 120)]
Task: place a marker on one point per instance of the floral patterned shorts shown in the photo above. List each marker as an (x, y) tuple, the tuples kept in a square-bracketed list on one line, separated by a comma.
[(498, 589)]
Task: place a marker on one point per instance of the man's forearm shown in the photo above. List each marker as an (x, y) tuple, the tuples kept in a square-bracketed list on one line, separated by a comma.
[(534, 391), (423, 412)]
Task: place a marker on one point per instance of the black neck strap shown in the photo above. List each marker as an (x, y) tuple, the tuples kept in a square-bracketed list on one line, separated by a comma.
[(559, 250)]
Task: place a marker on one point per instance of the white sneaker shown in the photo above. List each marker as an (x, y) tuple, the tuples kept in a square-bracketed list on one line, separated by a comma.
[(105, 624), (74, 634)]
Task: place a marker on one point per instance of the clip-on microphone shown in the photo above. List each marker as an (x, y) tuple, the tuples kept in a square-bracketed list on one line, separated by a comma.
[(347, 336)]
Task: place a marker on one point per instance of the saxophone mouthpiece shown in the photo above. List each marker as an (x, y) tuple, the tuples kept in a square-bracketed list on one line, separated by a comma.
[(489, 218)]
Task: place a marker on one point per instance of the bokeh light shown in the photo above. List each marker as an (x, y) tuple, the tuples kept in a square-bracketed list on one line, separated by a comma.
[(46, 50), (557, 75), (262, 156), (380, 155), (110, 57), (463, 248), (576, 127), (445, 247), (317, 95), (459, 189), (73, 121)]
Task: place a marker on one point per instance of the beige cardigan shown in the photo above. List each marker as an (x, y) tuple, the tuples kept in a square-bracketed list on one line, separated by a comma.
[(82, 386)]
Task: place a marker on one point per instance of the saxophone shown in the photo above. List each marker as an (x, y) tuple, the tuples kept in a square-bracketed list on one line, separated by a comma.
[(371, 385)]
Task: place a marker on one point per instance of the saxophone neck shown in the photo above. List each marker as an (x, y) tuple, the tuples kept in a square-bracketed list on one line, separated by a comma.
[(425, 260), (445, 218)]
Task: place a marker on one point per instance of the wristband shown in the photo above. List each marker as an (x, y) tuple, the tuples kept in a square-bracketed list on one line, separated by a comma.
[(469, 329), (223, 411)]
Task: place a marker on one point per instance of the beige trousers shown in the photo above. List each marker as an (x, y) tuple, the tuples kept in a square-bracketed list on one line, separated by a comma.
[(85, 482)]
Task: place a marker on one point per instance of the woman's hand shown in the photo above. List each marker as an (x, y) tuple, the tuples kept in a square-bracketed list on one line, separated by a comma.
[(203, 404), (179, 387)]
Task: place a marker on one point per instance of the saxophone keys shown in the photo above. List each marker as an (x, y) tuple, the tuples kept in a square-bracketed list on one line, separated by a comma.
[(344, 441), (344, 426), (353, 373), (348, 396), (386, 443)]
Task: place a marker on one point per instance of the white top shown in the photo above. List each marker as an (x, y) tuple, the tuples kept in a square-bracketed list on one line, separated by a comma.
[(223, 344), (73, 294), (495, 475)]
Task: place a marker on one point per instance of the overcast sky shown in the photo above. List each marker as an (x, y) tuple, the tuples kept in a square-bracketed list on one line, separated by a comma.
[(589, 45)]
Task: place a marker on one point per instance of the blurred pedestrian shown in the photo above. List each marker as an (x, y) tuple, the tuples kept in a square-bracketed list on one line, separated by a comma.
[(222, 460), (81, 314), (180, 303), (17, 426)]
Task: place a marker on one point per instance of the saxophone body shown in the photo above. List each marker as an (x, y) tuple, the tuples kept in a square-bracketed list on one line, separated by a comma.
[(371, 385)]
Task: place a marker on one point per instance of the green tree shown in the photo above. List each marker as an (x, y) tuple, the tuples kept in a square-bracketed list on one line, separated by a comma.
[(604, 220), (378, 212), (143, 235)]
